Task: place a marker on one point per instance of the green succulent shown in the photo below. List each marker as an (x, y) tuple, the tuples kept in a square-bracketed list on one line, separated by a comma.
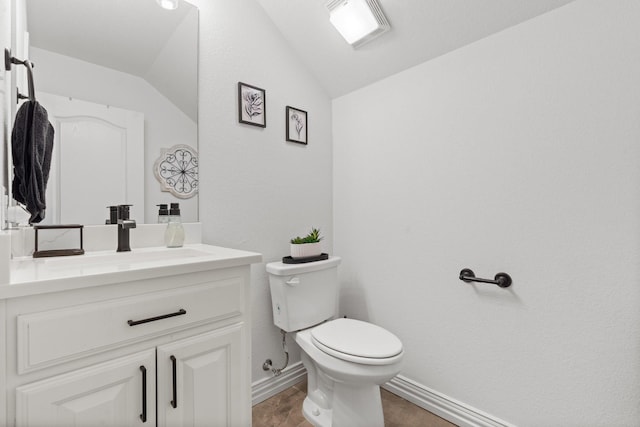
[(312, 237)]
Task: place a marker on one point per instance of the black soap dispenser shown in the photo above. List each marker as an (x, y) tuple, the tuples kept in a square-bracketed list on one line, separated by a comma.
[(163, 213)]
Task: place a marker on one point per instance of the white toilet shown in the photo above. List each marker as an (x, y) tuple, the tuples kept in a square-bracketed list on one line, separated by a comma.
[(346, 359)]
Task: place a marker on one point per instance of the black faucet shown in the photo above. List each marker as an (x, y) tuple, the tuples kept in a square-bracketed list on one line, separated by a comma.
[(124, 225)]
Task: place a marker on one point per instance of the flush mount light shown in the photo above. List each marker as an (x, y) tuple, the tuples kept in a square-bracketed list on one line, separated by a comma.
[(168, 4), (358, 21)]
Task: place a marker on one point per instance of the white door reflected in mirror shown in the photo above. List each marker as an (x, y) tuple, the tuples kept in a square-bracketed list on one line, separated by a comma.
[(98, 153)]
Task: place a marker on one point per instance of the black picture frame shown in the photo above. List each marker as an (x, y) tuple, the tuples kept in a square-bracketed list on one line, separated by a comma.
[(252, 105), (297, 125)]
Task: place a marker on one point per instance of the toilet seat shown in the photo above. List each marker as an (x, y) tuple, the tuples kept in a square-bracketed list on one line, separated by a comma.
[(357, 341)]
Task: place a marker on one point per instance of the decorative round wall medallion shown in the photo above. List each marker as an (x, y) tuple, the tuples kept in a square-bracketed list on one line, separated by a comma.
[(177, 171)]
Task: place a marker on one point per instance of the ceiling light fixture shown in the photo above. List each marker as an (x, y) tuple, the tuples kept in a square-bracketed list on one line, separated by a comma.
[(358, 21), (168, 4)]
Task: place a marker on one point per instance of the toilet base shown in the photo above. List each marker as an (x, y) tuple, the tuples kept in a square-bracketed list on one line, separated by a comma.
[(316, 415), (341, 393), (353, 406)]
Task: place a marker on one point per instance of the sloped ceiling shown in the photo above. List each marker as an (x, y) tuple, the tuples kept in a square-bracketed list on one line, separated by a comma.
[(103, 31), (420, 30)]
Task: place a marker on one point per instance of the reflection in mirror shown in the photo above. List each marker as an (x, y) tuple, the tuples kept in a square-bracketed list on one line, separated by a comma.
[(119, 79)]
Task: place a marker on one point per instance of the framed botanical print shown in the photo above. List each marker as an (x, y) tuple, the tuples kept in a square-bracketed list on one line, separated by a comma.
[(252, 105), (296, 121)]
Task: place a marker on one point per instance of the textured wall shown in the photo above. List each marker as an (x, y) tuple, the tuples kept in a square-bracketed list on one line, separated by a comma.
[(257, 190), (518, 153)]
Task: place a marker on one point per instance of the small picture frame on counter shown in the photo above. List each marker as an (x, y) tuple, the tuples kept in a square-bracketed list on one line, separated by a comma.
[(58, 240)]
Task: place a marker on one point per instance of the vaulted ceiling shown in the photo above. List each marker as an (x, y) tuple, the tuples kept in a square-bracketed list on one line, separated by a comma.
[(420, 30)]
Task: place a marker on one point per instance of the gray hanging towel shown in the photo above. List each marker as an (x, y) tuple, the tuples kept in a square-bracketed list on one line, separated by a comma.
[(32, 144)]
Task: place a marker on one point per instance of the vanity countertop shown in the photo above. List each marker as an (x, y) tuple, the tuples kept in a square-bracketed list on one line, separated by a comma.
[(31, 276)]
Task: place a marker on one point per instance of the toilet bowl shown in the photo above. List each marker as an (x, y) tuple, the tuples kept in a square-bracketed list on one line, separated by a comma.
[(346, 359), (343, 382)]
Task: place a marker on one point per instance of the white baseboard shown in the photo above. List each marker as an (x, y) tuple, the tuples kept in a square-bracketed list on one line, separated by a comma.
[(441, 405), (437, 403), (265, 388)]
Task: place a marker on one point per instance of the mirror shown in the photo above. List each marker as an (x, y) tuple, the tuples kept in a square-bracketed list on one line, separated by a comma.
[(119, 79)]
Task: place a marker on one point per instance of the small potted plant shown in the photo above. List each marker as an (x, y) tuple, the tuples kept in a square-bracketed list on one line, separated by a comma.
[(307, 246)]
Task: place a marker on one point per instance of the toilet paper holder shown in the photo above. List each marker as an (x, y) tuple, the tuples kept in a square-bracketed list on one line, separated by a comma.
[(501, 279)]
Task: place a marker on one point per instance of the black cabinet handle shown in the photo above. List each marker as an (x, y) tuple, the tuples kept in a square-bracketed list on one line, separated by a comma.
[(174, 402), (143, 416), (153, 319)]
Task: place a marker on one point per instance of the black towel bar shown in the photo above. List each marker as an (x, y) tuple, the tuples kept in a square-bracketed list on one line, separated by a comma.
[(9, 60), (501, 279)]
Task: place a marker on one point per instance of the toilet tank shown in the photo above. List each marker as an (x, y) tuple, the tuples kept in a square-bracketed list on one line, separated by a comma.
[(303, 295)]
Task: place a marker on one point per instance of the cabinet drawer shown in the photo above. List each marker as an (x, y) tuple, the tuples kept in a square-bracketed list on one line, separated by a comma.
[(56, 336)]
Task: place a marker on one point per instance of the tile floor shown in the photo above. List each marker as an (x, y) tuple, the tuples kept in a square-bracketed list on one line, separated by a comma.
[(285, 410)]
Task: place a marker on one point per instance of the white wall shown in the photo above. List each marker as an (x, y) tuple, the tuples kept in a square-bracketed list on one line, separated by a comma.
[(518, 153), (165, 125), (257, 190), (5, 87), (5, 42), (13, 20)]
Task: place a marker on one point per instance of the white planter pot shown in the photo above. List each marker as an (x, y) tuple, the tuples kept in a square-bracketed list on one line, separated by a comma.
[(305, 250)]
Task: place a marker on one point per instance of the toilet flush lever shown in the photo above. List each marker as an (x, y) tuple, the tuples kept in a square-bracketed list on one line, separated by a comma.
[(294, 281)]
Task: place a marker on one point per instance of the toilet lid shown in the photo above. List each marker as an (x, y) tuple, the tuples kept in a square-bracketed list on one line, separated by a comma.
[(357, 341)]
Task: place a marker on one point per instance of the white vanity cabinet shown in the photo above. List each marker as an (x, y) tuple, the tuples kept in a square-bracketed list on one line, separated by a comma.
[(161, 350), (198, 385)]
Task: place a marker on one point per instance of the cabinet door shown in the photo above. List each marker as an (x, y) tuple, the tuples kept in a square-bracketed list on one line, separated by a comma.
[(202, 380), (116, 393)]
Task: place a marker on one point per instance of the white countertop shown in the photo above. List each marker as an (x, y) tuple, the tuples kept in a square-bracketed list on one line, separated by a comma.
[(31, 276)]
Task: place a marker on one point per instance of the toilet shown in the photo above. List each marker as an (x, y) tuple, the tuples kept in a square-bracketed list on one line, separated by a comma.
[(346, 359)]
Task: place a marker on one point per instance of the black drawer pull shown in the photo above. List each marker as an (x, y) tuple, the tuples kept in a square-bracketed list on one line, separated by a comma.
[(174, 402), (143, 415), (153, 319)]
